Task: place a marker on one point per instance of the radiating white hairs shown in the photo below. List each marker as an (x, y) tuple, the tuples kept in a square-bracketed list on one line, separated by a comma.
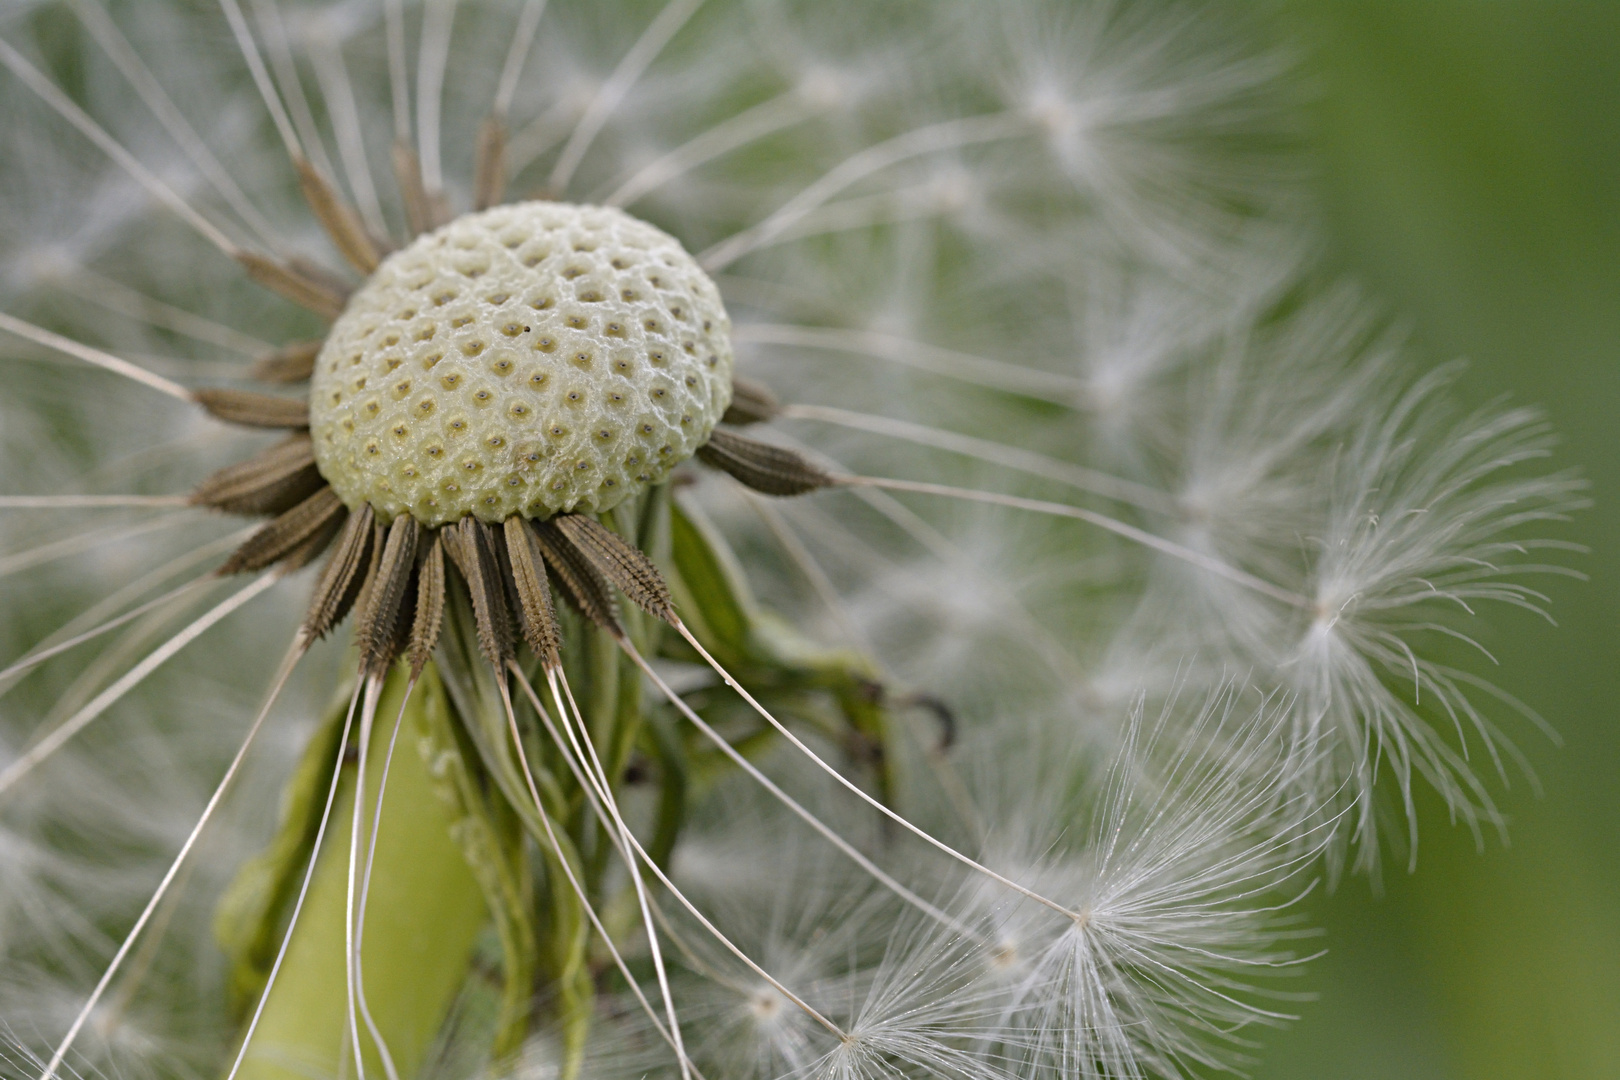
[(1055, 259)]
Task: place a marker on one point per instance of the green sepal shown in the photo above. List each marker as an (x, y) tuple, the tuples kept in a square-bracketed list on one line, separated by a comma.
[(788, 672)]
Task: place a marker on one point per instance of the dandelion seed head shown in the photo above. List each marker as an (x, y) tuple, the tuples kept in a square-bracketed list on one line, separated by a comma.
[(1054, 241), (531, 359)]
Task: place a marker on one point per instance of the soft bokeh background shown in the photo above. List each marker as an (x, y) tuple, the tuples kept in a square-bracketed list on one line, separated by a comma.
[(1470, 156)]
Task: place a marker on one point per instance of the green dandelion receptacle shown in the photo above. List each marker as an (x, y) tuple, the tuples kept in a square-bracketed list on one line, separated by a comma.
[(530, 359)]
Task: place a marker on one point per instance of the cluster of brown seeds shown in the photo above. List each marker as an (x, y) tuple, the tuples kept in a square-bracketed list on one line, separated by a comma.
[(393, 574), (394, 577)]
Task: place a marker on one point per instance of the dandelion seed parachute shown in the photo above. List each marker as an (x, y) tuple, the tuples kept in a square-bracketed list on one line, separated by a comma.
[(975, 250)]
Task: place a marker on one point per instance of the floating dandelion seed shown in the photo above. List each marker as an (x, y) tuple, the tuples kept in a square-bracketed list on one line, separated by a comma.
[(1062, 462)]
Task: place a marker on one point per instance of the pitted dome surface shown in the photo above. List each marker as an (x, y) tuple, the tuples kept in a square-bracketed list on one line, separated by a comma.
[(530, 359)]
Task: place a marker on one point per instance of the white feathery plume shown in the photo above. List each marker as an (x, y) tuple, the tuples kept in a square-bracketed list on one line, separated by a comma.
[(1186, 880), (1429, 518), (1140, 109)]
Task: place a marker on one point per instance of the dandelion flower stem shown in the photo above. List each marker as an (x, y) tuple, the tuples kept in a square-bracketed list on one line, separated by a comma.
[(617, 824), (424, 912), (373, 689), (692, 908)]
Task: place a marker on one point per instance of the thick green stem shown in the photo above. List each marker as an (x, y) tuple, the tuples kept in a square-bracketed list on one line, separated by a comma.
[(424, 911)]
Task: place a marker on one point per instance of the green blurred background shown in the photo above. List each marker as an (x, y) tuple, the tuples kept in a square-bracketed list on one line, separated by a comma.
[(1470, 166)]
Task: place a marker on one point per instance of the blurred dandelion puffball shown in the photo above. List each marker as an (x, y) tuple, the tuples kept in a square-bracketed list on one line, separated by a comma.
[(531, 359)]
